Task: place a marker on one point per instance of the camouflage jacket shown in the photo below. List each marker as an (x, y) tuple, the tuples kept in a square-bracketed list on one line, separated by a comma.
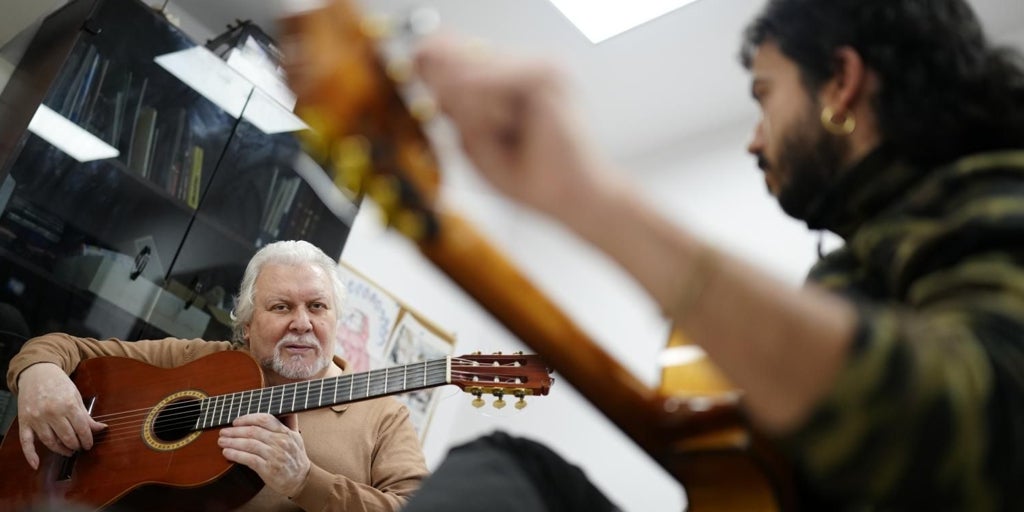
[(928, 413)]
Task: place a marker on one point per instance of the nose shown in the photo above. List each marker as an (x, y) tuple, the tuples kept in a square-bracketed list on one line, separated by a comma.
[(301, 321), (756, 145)]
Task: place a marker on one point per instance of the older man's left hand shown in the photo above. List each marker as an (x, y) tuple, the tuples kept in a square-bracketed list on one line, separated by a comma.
[(269, 447)]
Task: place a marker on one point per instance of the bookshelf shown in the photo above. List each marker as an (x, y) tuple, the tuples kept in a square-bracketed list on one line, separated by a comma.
[(151, 242)]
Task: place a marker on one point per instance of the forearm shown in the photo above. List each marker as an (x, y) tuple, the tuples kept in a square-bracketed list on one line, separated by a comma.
[(68, 351), (56, 348), (783, 346)]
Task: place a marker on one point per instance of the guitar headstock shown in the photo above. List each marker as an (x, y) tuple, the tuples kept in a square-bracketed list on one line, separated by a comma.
[(364, 130), (518, 374)]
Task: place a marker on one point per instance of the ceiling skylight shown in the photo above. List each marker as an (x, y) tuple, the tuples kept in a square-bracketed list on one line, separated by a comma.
[(602, 20)]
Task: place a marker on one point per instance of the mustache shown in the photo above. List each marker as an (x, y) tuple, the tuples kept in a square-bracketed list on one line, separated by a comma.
[(302, 340)]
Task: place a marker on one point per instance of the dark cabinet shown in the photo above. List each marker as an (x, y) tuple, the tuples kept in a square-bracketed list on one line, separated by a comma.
[(151, 242)]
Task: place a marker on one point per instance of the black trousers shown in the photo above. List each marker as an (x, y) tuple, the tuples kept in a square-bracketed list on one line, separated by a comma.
[(499, 473)]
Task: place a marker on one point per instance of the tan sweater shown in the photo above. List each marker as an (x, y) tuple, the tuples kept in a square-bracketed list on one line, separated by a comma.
[(366, 455)]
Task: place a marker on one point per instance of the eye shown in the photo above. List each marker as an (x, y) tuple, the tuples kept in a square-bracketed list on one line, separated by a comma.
[(318, 305), (279, 307)]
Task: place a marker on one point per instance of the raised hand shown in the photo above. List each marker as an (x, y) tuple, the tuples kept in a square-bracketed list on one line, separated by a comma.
[(515, 123)]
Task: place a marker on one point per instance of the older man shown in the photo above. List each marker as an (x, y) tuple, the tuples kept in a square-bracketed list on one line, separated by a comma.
[(363, 456)]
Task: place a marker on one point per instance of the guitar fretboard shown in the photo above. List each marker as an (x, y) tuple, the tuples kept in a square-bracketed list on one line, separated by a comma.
[(221, 410)]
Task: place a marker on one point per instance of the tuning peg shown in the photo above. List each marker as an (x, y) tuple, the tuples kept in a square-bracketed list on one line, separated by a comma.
[(521, 403), (518, 352), (410, 224), (351, 159), (385, 191), (500, 402), (399, 69), (315, 140), (377, 26), (498, 353), (477, 402), (423, 108)]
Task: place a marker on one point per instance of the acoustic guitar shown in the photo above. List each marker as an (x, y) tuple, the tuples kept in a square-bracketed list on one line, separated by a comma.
[(160, 450), (356, 93)]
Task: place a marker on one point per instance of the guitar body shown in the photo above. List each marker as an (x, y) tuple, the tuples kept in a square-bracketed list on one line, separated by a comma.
[(729, 469), (133, 462)]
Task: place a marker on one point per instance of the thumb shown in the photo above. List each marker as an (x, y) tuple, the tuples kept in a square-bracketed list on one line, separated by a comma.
[(291, 421)]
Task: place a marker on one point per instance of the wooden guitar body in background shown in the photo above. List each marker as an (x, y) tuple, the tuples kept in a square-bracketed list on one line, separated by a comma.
[(366, 136)]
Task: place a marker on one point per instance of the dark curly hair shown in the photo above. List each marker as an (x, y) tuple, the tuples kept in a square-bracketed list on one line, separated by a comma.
[(945, 91)]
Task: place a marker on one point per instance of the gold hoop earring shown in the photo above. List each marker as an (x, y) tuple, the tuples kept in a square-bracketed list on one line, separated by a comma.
[(846, 127)]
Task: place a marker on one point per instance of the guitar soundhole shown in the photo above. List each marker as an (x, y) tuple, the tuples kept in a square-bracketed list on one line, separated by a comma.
[(176, 421)]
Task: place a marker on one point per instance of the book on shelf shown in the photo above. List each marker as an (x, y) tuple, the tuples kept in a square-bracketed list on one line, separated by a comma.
[(73, 94), (132, 118), (93, 91), (122, 92), (140, 152), (168, 153), (195, 178), (282, 197)]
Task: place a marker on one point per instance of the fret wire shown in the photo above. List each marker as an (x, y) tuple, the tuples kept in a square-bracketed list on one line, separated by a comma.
[(368, 383), (335, 399), (351, 384), (220, 410), (424, 373), (225, 405), (385, 380), (405, 375), (204, 408), (208, 413), (320, 399)]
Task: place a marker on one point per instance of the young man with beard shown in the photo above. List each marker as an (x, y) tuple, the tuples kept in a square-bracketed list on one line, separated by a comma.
[(361, 456), (895, 378)]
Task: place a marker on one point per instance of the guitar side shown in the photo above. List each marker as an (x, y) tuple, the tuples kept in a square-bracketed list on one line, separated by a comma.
[(128, 463)]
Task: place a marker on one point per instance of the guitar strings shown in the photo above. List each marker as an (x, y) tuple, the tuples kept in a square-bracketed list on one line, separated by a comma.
[(358, 376), (184, 415), (130, 429), (188, 408)]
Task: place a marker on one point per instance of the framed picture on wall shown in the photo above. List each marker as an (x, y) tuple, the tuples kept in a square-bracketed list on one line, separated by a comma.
[(376, 330), (367, 318), (412, 341)]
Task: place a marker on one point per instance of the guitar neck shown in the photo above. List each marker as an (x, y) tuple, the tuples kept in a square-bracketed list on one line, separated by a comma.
[(221, 410)]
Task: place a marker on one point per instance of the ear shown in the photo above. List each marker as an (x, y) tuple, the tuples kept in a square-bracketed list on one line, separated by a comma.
[(848, 85)]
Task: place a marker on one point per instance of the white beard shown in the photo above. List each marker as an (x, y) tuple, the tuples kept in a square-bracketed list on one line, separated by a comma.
[(296, 367)]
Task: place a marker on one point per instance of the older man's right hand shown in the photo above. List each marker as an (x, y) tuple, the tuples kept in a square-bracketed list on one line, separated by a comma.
[(50, 409)]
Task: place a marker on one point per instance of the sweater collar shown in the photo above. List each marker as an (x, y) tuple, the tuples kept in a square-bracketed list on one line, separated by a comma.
[(860, 192)]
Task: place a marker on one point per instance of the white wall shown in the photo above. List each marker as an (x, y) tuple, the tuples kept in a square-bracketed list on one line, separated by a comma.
[(709, 184)]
